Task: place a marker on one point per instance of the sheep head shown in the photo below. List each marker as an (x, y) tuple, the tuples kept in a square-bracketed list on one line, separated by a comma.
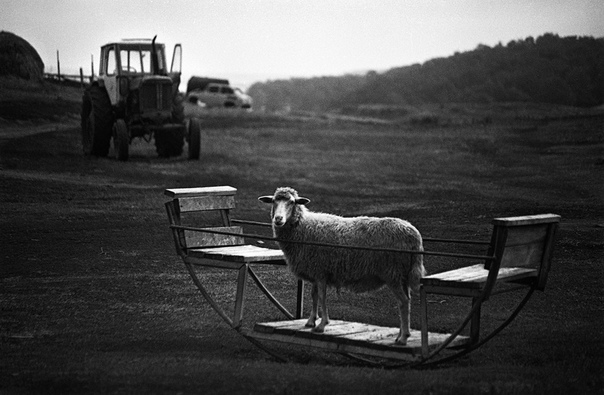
[(287, 206)]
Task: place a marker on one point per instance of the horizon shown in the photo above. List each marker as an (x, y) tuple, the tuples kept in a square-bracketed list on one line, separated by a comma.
[(256, 41)]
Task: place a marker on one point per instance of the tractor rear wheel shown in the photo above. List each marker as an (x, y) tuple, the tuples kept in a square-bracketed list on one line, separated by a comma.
[(97, 121), (194, 134), (121, 140)]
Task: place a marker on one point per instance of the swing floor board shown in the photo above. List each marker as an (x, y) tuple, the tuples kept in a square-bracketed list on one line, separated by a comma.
[(351, 337)]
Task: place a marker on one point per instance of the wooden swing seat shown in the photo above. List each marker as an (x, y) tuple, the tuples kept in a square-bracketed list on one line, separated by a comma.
[(238, 254), (474, 277), (351, 337)]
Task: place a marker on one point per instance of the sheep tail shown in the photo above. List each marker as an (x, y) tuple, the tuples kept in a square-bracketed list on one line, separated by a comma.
[(417, 270)]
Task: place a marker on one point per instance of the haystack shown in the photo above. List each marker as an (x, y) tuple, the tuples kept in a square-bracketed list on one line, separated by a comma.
[(18, 58)]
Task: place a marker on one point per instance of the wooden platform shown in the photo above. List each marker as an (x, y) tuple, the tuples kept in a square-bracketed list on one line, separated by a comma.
[(350, 337)]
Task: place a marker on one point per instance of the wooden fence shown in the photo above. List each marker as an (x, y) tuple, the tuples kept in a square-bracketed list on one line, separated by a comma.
[(70, 79)]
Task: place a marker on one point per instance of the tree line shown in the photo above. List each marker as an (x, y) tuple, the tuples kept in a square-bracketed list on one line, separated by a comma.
[(548, 69)]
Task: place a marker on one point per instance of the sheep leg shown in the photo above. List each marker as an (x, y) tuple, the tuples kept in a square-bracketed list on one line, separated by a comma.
[(314, 312), (322, 292), (403, 298)]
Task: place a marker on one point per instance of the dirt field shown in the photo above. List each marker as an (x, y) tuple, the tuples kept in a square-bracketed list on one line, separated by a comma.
[(94, 299)]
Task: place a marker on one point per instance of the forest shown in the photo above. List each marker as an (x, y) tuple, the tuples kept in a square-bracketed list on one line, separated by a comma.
[(548, 69)]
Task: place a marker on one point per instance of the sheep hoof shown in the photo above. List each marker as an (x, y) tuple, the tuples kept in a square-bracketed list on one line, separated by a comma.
[(309, 324), (318, 329), (402, 340)]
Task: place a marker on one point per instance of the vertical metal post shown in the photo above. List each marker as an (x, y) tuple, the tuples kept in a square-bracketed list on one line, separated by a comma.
[(424, 320), (300, 299), (58, 67), (91, 67), (475, 323), (240, 296)]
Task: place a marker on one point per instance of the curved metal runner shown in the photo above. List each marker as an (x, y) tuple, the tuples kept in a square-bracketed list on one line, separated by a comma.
[(423, 362), (426, 361)]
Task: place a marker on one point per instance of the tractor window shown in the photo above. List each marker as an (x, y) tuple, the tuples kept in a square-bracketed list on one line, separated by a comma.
[(130, 61), (160, 61), (146, 61), (214, 89), (135, 61), (111, 66), (227, 91)]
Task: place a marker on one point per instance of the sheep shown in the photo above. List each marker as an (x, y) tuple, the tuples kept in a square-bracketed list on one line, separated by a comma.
[(354, 269)]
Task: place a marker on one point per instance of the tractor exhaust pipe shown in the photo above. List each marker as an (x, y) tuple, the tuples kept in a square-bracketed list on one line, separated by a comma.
[(155, 58)]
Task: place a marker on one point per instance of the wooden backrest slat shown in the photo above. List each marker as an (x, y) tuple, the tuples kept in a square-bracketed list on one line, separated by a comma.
[(200, 239), (202, 191), (524, 246), (527, 220), (525, 241), (219, 199), (206, 203)]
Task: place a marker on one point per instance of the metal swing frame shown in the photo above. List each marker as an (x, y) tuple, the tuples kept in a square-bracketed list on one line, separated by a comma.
[(510, 243)]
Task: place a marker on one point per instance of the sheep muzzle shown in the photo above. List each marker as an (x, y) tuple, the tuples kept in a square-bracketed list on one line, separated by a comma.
[(282, 210)]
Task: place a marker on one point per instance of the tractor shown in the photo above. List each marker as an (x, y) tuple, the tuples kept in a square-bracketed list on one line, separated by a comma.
[(135, 96)]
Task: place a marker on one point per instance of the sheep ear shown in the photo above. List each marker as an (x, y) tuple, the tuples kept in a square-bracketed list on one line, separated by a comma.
[(266, 199), (302, 201)]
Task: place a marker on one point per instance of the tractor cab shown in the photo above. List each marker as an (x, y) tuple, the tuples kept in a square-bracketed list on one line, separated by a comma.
[(137, 79)]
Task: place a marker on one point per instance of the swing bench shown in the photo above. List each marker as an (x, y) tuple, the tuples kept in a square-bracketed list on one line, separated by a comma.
[(518, 258)]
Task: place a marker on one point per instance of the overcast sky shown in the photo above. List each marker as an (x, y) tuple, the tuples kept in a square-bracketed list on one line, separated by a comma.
[(257, 40)]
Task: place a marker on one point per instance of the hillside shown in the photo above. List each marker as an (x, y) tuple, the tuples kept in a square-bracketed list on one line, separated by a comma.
[(549, 69), (38, 101)]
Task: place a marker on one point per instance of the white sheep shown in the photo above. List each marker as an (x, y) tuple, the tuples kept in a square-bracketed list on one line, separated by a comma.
[(357, 270)]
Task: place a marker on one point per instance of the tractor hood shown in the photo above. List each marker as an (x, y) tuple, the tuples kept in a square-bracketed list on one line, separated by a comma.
[(149, 79)]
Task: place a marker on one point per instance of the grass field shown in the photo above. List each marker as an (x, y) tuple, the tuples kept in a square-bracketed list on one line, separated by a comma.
[(94, 299)]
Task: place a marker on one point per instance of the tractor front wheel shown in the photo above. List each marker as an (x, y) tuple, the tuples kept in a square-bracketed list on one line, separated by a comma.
[(121, 140)]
